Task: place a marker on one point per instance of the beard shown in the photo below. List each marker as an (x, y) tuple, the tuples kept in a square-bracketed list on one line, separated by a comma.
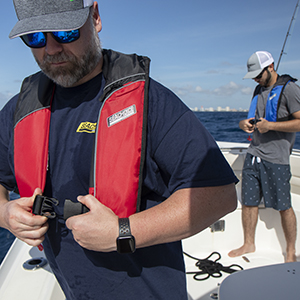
[(267, 80), (77, 68)]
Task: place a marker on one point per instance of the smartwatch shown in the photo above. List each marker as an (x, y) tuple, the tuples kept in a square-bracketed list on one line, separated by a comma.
[(125, 241)]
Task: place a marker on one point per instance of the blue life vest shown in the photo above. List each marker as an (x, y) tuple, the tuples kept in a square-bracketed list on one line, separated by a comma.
[(274, 98)]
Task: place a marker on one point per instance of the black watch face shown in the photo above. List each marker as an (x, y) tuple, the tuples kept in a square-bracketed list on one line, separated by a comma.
[(126, 244)]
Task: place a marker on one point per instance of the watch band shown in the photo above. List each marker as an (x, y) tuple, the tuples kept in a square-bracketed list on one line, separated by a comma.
[(125, 241), (124, 227)]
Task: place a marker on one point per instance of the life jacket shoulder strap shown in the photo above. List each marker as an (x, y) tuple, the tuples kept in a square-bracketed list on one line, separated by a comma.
[(31, 133)]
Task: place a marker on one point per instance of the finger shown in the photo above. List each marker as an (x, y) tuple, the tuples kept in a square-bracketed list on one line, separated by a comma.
[(34, 238), (26, 225), (19, 211), (35, 233), (33, 243), (30, 200), (36, 221), (23, 231), (37, 191), (88, 200), (26, 216), (84, 200)]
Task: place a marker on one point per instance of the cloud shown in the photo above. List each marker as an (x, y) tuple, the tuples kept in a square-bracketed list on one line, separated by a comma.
[(247, 90), (199, 89), (189, 89), (232, 88), (226, 90)]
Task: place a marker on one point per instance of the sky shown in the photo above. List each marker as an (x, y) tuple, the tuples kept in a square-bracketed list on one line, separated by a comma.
[(198, 49)]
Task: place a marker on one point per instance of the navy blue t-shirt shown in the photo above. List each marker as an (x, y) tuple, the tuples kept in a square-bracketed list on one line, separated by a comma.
[(180, 154)]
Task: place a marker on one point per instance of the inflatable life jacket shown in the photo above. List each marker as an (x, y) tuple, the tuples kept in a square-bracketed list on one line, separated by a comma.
[(274, 98), (121, 125)]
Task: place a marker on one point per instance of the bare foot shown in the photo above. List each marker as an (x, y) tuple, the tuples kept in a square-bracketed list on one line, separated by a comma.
[(290, 257), (242, 250)]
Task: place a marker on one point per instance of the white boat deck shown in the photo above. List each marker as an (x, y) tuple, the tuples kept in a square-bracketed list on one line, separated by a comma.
[(16, 283), (204, 290)]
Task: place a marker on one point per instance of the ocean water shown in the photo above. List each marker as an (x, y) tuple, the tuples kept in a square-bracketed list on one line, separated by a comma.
[(223, 126)]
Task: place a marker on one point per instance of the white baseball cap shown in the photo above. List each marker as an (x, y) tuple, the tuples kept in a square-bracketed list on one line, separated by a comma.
[(257, 62)]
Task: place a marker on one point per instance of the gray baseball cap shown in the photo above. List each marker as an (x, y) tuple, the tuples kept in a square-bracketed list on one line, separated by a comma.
[(257, 62), (49, 15)]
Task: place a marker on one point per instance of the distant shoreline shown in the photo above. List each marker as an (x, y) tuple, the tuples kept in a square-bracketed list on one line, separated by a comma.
[(218, 110)]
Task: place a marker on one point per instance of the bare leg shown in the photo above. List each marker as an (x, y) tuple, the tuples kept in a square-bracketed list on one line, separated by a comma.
[(249, 221), (289, 225)]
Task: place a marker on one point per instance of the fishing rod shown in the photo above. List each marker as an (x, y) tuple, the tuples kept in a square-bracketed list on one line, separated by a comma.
[(288, 34)]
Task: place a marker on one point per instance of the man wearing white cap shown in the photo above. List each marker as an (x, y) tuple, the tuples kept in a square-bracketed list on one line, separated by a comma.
[(94, 123), (274, 119)]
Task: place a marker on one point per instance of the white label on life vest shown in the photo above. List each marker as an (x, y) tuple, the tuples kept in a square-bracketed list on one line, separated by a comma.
[(272, 97), (121, 115)]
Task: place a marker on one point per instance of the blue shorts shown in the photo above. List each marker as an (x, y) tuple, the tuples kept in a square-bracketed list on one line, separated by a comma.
[(261, 178)]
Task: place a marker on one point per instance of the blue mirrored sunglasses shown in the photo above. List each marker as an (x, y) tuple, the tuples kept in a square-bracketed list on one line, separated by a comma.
[(39, 39)]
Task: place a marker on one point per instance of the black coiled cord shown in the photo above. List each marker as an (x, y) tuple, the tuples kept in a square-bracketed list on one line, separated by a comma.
[(211, 268)]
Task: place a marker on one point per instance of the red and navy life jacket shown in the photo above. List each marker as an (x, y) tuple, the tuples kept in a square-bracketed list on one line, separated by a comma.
[(120, 137), (274, 98)]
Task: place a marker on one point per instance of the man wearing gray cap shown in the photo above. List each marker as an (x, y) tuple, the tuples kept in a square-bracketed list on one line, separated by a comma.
[(274, 119), (93, 127)]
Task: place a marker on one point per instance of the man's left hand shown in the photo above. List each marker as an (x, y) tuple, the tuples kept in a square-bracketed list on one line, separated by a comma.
[(262, 125), (96, 230)]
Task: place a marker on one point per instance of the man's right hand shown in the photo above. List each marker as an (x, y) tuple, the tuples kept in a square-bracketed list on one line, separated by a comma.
[(16, 217), (246, 125)]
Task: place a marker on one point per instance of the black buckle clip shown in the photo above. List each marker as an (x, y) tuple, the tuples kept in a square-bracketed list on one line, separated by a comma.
[(254, 121), (73, 209), (43, 206)]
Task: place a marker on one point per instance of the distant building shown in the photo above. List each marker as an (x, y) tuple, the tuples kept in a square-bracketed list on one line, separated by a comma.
[(219, 109)]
